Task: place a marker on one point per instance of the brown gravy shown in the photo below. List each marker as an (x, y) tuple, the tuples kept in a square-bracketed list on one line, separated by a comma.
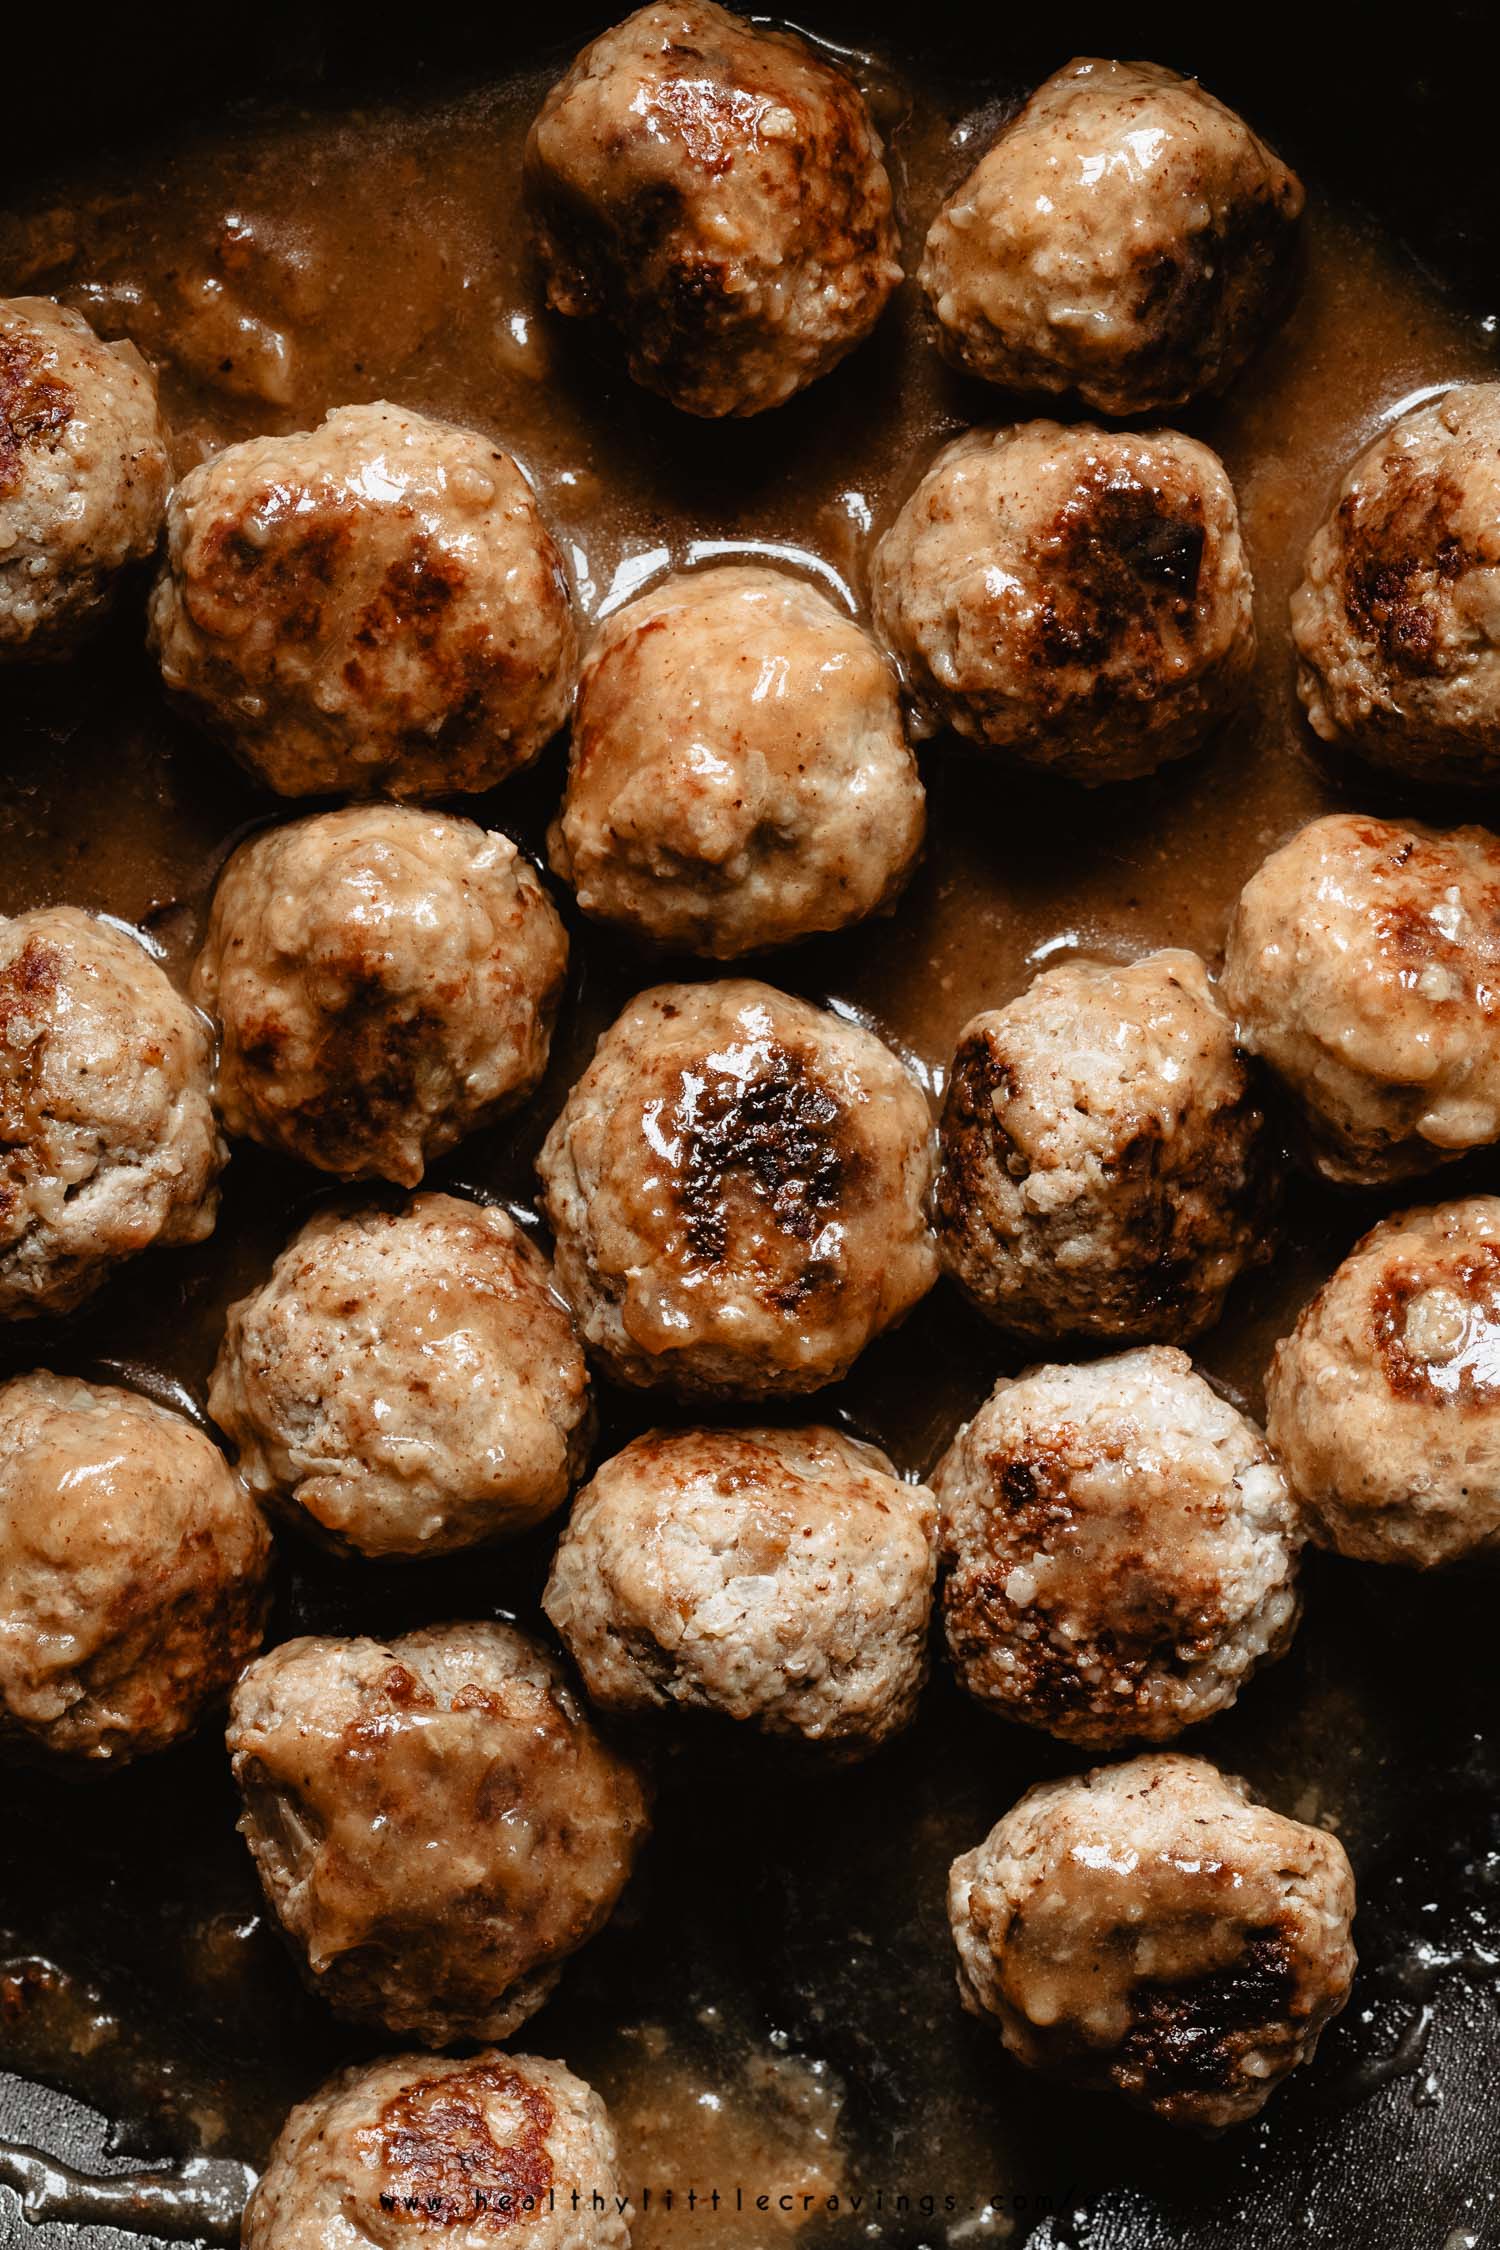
[(775, 2007)]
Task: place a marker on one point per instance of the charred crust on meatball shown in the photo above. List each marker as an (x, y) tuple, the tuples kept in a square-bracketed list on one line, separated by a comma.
[(443, 2167), (1121, 559), (1391, 558), (35, 405), (781, 1134), (1470, 1280), (1192, 2038)]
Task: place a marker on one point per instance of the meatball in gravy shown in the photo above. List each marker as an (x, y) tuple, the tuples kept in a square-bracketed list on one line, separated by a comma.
[(782, 1577), (1104, 1161), (491, 2147), (435, 1823), (716, 191), (1384, 1402), (84, 474), (407, 1382), (737, 1187), (1363, 964), (133, 1571), (384, 980), (1126, 237), (1076, 597), (1397, 619), (1150, 1928), (1119, 1549), (374, 607), (108, 1144), (739, 775)]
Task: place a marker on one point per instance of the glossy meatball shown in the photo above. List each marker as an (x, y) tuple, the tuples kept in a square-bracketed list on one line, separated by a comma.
[(491, 2147), (107, 1137), (781, 1577), (738, 1191), (1077, 597), (407, 1382), (1397, 619), (716, 191), (1384, 1402), (1126, 237), (1150, 1928), (384, 980), (739, 775), (374, 607), (1363, 963), (1119, 1549), (84, 473), (132, 1573), (434, 1821), (1104, 1161)]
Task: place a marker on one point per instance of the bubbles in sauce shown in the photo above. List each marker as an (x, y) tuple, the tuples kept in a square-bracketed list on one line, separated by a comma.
[(777, 2003)]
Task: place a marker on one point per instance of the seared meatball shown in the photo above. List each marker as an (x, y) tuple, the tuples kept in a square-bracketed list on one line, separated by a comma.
[(493, 2147), (132, 1572), (1077, 597), (374, 607), (84, 473), (717, 192), (434, 1821), (107, 1137), (782, 1577), (1104, 1161), (738, 1190), (1126, 237), (1384, 1402), (1363, 963), (384, 981), (739, 775), (1150, 1928), (407, 1382), (1119, 1549), (1397, 619)]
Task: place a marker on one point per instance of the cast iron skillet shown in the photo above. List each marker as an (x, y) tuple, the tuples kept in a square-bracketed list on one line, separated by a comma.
[(1391, 2143)]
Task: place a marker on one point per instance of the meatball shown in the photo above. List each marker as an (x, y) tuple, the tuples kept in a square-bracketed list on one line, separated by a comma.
[(407, 1382), (84, 472), (1150, 1928), (434, 1821), (781, 1577), (1363, 963), (1126, 237), (1104, 1163), (1397, 619), (490, 2147), (1077, 597), (133, 1571), (716, 191), (107, 1137), (739, 775), (738, 1191), (385, 981), (1384, 1402), (374, 607), (1119, 1549)]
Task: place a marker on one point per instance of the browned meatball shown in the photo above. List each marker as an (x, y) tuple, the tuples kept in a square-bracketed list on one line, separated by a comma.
[(1384, 1402), (716, 191), (374, 607), (1363, 964), (132, 1572), (384, 981), (108, 1143), (84, 472), (1104, 1165), (1151, 1929), (1076, 597), (435, 1822), (407, 1382), (493, 2148), (738, 1191), (1397, 619), (1126, 237)]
